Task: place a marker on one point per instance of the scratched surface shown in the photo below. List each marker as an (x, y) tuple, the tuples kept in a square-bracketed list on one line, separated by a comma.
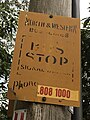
[(46, 60)]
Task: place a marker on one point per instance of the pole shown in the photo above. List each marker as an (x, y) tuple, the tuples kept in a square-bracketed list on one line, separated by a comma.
[(76, 8), (76, 14)]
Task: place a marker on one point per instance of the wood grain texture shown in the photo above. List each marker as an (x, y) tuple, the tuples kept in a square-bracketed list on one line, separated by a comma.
[(54, 7)]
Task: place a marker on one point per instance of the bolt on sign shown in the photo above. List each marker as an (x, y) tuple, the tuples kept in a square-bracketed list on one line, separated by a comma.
[(19, 115), (46, 61)]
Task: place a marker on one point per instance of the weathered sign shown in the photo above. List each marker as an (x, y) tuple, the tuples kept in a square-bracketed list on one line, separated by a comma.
[(46, 62)]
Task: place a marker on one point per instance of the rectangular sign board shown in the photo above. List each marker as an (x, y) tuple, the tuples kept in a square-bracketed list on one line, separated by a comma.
[(46, 61)]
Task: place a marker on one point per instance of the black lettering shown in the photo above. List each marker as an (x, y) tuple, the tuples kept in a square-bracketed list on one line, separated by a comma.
[(31, 83), (25, 67), (65, 60), (67, 35), (20, 85), (32, 22), (18, 61), (20, 53), (60, 60), (40, 57), (47, 59), (34, 68), (61, 50), (25, 84), (55, 26), (71, 28), (32, 45), (49, 71), (42, 24), (31, 30), (74, 29), (62, 27), (28, 68), (67, 28), (15, 84), (41, 70), (35, 30), (55, 34), (28, 55), (36, 23), (35, 84), (22, 66), (48, 25), (27, 22)]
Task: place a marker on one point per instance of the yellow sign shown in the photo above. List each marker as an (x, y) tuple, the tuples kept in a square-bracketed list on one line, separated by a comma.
[(47, 54)]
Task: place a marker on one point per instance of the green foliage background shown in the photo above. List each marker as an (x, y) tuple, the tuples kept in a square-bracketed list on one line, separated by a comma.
[(9, 12), (85, 60)]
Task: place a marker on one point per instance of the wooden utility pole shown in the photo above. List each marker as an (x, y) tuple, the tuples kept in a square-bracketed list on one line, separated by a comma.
[(37, 111)]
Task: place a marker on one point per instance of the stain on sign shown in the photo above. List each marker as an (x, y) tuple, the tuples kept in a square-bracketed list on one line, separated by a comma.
[(46, 61)]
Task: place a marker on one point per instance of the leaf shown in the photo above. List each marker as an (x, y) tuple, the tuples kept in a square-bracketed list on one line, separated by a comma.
[(86, 22)]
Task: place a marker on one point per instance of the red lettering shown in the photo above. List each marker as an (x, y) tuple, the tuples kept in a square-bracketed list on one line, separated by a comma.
[(59, 92), (45, 91), (50, 91), (62, 93), (41, 90), (68, 93)]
